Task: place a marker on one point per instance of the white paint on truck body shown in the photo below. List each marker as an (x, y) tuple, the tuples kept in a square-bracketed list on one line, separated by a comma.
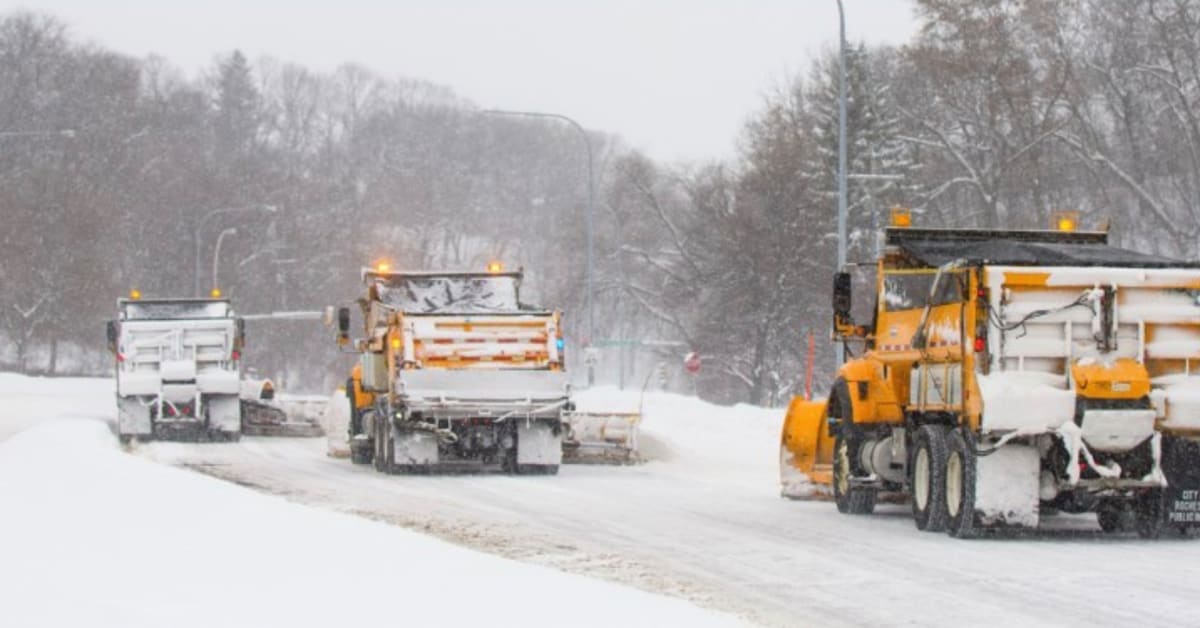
[(177, 355)]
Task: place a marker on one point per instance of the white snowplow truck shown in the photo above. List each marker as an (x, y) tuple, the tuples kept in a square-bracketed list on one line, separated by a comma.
[(178, 369), (455, 374)]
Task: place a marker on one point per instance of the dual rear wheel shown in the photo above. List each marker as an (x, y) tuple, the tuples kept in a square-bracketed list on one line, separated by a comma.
[(942, 478), (943, 481)]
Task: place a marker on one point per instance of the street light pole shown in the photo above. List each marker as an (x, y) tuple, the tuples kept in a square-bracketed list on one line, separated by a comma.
[(196, 237), (591, 211), (839, 348), (216, 266)]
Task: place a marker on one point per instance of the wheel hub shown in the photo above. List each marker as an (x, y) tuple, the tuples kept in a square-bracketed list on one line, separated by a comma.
[(843, 467), (921, 479), (954, 483)]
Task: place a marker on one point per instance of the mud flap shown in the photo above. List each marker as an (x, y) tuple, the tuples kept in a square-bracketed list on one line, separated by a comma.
[(224, 414), (1181, 498), (538, 443), (415, 448), (1006, 487), (133, 418)]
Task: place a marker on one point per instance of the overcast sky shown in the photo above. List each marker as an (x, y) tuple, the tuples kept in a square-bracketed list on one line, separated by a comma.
[(676, 78)]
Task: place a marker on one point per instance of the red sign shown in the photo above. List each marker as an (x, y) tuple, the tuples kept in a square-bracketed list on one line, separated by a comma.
[(691, 363)]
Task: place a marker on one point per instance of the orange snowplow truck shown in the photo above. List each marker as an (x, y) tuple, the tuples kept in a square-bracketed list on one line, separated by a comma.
[(1008, 374), (455, 373)]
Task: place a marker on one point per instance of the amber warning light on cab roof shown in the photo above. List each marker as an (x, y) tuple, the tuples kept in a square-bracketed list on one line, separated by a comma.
[(901, 217), (1066, 220), (495, 267)]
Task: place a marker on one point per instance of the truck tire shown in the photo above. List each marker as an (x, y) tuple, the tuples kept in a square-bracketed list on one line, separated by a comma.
[(960, 485), (1111, 517), (536, 469), (1148, 516), (928, 478), (381, 442), (850, 499), (360, 452)]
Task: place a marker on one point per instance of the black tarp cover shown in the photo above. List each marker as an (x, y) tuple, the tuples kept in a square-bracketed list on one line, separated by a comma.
[(936, 247)]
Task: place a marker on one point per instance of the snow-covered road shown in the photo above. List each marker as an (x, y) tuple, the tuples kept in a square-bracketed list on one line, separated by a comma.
[(703, 521), (92, 536)]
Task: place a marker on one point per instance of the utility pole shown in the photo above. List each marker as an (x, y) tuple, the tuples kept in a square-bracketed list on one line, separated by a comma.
[(839, 348)]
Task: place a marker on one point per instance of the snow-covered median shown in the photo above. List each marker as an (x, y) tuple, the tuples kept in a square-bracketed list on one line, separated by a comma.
[(91, 536)]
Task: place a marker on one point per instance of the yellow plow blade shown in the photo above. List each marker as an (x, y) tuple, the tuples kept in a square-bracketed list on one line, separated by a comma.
[(805, 451)]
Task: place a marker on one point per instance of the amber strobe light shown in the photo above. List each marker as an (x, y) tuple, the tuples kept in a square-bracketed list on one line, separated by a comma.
[(495, 267), (1066, 220)]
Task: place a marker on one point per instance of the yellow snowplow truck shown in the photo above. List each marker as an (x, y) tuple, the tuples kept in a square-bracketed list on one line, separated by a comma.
[(455, 373), (1008, 374)]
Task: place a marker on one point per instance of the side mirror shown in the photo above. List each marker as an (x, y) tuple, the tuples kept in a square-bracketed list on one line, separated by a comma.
[(241, 332), (842, 300), (113, 334), (343, 321)]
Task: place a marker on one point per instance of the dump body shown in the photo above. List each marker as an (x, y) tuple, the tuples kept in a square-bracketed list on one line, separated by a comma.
[(178, 368), (1008, 374), (455, 372)]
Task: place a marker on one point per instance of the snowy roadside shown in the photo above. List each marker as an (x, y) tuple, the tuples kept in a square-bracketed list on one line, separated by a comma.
[(25, 401), (94, 537)]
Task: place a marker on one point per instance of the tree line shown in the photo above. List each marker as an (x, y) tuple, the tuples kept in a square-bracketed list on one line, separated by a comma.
[(996, 113)]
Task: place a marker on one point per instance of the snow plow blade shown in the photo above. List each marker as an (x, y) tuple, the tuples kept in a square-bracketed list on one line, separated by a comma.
[(261, 418), (266, 413), (806, 451), (601, 438)]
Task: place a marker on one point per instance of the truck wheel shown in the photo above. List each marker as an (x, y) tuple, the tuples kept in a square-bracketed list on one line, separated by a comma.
[(1148, 519), (1110, 516), (929, 478), (360, 452), (537, 469), (960, 485), (379, 458), (850, 499)]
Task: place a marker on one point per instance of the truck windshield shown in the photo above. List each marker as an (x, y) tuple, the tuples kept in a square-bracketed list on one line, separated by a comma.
[(172, 310), (909, 290), (449, 294)]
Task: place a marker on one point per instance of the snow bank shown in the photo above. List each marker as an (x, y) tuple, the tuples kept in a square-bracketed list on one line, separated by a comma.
[(95, 537), (25, 401), (732, 444)]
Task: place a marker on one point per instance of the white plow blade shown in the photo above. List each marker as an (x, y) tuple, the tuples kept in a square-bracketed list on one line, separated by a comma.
[(336, 423), (601, 437)]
